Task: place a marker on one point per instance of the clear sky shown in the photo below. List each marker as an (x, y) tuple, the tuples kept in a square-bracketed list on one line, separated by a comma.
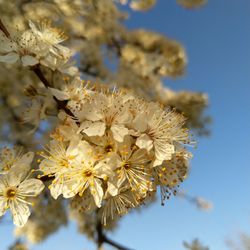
[(217, 40)]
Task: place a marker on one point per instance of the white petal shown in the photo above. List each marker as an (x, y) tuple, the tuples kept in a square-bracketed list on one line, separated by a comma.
[(119, 131), (121, 179), (16, 175), (157, 162), (73, 148), (144, 141), (125, 117), (9, 58), (97, 192), (60, 50), (3, 181), (26, 159), (29, 60), (163, 151), (31, 187), (89, 112), (140, 122), (102, 169), (60, 95), (20, 213), (56, 190), (112, 189), (93, 128), (48, 166), (3, 206), (6, 44)]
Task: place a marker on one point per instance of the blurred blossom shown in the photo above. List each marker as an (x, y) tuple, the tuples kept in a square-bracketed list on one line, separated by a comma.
[(191, 4), (19, 246), (195, 245), (203, 204)]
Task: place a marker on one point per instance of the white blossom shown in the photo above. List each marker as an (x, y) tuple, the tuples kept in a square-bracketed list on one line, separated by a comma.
[(15, 193)]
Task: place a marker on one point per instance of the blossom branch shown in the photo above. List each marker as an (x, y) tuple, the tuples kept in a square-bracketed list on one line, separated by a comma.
[(60, 104), (37, 70)]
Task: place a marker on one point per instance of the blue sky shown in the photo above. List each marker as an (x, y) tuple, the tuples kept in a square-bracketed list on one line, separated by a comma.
[(217, 40)]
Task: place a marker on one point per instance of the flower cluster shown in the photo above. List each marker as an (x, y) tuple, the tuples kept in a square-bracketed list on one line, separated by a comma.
[(110, 151), (16, 188), (115, 151), (38, 44)]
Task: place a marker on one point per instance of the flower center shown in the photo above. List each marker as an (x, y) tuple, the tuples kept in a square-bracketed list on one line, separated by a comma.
[(127, 166), (109, 148), (11, 193), (64, 163), (87, 173)]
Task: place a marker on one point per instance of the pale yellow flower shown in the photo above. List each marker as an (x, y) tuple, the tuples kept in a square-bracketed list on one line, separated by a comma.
[(50, 38), (16, 192), (20, 47), (105, 113), (161, 131)]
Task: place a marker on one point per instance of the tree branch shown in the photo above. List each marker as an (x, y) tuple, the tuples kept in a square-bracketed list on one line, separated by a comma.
[(4, 30), (102, 238), (37, 70), (60, 104)]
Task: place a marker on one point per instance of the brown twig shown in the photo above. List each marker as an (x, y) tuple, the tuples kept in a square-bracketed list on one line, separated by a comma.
[(3, 28), (102, 238), (60, 104)]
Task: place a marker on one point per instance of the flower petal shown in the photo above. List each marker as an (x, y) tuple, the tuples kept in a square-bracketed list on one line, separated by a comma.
[(97, 192), (119, 131), (9, 58), (6, 44), (93, 128), (56, 189), (26, 159), (163, 151), (140, 123), (30, 187), (20, 212), (16, 175), (60, 95), (144, 141), (3, 206), (112, 189), (29, 60)]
